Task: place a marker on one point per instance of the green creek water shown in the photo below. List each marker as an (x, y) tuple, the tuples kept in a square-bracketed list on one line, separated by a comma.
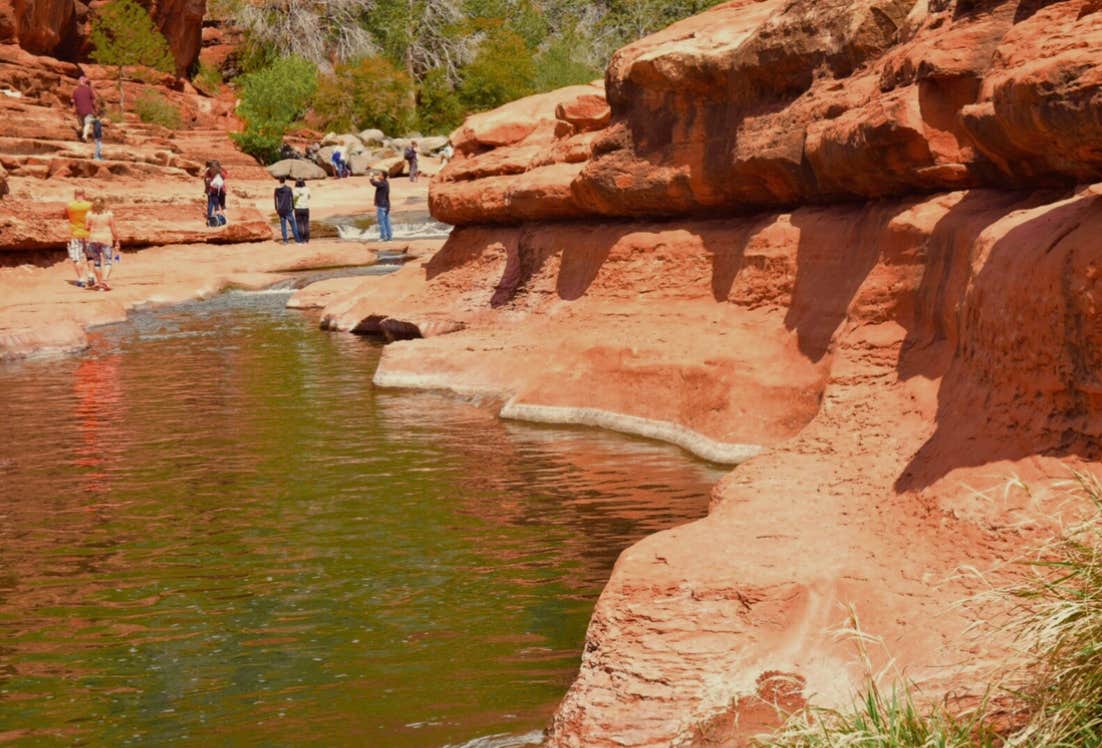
[(213, 529)]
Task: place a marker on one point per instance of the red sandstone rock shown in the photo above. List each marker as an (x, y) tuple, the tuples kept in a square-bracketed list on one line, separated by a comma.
[(62, 28), (760, 104), (38, 225), (945, 341), (586, 112), (867, 347)]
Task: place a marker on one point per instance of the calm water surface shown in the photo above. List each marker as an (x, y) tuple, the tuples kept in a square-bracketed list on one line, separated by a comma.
[(214, 530)]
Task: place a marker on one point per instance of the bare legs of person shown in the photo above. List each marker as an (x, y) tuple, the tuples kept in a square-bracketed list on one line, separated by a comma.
[(80, 262)]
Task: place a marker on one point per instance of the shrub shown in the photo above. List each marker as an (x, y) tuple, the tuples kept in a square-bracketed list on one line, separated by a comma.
[(363, 93), (439, 109), (272, 99), (155, 109), (208, 79), (279, 94), (263, 145), (502, 71), (561, 63)]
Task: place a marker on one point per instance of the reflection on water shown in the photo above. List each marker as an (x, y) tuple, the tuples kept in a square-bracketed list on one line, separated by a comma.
[(213, 528)]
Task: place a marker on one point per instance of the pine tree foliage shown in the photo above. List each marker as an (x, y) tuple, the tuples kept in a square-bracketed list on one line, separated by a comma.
[(124, 34)]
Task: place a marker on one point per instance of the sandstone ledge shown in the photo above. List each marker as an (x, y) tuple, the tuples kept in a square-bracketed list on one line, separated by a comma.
[(42, 313), (866, 347)]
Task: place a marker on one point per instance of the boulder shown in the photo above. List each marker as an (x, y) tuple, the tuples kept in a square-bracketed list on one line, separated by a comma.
[(360, 163), (394, 167), (431, 143), (296, 168), (586, 112), (372, 137)]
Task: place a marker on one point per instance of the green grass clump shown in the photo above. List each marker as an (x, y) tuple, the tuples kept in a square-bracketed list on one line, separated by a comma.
[(883, 720), (155, 109), (1060, 620)]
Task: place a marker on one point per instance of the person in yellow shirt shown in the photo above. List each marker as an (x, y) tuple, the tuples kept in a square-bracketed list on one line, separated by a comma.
[(78, 237)]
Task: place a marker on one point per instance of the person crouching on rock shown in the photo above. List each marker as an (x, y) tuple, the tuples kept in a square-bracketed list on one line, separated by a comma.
[(302, 209), (103, 241), (285, 208)]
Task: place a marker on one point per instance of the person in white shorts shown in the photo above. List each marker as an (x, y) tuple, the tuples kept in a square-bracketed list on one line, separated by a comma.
[(77, 211)]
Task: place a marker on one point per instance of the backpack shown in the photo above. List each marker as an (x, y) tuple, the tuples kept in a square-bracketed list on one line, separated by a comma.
[(217, 184)]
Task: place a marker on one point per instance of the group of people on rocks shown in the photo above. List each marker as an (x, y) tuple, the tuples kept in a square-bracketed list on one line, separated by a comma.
[(94, 246)]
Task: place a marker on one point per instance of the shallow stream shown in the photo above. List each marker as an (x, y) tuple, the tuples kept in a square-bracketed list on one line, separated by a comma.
[(214, 530)]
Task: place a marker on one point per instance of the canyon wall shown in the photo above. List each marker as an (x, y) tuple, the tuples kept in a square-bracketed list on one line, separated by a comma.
[(849, 245), (62, 28)]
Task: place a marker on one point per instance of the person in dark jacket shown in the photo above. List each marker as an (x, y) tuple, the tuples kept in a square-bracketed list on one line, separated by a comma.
[(382, 205), (284, 198), (84, 102)]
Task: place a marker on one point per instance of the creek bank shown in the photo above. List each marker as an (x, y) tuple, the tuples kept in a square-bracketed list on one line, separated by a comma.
[(43, 312), (903, 318)]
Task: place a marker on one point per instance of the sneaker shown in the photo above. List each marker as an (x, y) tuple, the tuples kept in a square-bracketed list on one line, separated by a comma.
[(80, 284)]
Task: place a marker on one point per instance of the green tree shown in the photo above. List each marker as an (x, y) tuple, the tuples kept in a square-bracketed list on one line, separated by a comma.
[(124, 34), (503, 70), (563, 63), (369, 92), (439, 109), (271, 99)]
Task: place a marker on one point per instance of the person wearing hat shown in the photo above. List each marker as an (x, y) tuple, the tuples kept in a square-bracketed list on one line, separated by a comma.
[(84, 102)]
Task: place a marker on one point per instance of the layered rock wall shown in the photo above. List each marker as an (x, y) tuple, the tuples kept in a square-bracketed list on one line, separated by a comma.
[(847, 244)]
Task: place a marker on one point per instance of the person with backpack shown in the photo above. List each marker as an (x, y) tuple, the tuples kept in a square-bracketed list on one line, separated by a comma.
[(214, 185), (97, 135), (285, 209), (410, 156)]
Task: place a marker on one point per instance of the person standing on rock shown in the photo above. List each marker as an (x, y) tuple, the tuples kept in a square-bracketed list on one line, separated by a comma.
[(103, 241), (411, 158), (77, 212), (382, 205), (446, 154), (285, 208), (214, 186), (302, 209), (84, 102), (97, 135)]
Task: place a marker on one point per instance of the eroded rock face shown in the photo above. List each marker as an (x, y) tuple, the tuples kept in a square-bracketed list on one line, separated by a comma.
[(62, 28), (761, 104), (851, 234)]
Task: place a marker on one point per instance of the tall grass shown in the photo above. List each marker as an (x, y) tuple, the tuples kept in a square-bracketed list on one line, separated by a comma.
[(1060, 621), (1057, 696)]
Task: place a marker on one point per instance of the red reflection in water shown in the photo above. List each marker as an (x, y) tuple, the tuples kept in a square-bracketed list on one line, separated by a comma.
[(98, 411)]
